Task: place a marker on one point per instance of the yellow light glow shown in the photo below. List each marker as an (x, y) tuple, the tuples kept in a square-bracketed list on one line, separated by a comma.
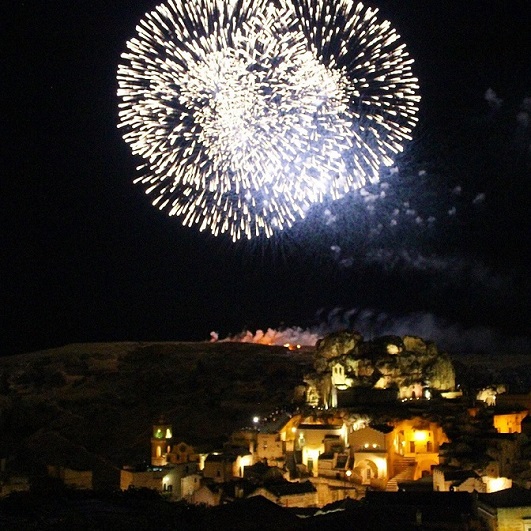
[(381, 463), (420, 435), (497, 484), (392, 349)]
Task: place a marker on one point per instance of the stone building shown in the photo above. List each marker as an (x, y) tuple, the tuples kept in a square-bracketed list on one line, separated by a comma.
[(170, 480), (224, 466), (506, 510), (316, 438), (289, 494), (510, 422), (75, 479), (407, 450)]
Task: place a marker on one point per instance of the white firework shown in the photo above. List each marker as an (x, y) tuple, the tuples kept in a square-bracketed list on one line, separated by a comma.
[(246, 112)]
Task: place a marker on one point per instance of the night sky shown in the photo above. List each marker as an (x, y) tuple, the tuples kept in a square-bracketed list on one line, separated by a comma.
[(441, 253)]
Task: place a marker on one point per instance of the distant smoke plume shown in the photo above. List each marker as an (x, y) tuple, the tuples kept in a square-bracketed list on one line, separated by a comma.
[(451, 337), (492, 99), (284, 336)]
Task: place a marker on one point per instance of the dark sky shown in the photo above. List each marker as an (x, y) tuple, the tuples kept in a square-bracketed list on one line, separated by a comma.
[(86, 258)]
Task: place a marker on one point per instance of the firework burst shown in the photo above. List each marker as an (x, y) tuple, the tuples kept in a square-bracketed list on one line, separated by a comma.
[(246, 113)]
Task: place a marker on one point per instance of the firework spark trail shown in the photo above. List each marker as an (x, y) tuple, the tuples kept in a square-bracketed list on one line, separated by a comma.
[(246, 114)]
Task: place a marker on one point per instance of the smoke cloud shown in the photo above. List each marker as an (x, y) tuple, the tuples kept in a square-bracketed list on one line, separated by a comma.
[(451, 337)]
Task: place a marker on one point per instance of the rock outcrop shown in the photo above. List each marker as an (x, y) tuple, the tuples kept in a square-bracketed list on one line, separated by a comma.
[(344, 361)]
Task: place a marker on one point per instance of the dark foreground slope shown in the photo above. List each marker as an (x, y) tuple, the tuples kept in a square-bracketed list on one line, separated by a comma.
[(101, 399)]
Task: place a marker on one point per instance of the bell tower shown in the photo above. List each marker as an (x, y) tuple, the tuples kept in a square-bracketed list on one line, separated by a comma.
[(161, 439)]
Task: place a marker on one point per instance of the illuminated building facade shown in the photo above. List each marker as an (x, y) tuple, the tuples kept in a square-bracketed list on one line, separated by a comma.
[(509, 422)]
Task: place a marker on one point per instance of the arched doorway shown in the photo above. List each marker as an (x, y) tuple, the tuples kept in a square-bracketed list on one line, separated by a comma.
[(366, 470)]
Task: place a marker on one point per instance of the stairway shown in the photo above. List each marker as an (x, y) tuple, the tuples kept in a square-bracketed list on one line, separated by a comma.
[(404, 471), (392, 485), (402, 464)]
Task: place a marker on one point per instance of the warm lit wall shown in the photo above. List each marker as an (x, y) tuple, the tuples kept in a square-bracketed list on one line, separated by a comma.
[(306, 499), (374, 453), (411, 391), (172, 481), (204, 496), (147, 479), (289, 430), (505, 519), (439, 482), (269, 446), (328, 466), (367, 439), (189, 484), (219, 471), (496, 484), (510, 422), (310, 439), (181, 453), (371, 466), (330, 490), (240, 463), (417, 436)]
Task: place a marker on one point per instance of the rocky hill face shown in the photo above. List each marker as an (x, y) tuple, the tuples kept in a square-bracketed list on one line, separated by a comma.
[(70, 404), (408, 364)]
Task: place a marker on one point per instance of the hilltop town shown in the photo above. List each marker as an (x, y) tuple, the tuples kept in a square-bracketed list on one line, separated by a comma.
[(371, 424)]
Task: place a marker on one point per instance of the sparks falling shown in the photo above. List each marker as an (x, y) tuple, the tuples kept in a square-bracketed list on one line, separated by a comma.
[(246, 113)]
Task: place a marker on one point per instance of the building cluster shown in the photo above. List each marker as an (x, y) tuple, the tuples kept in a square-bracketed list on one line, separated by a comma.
[(311, 460), (418, 439)]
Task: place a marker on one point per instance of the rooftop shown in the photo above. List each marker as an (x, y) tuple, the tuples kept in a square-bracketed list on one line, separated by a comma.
[(513, 497), (287, 488)]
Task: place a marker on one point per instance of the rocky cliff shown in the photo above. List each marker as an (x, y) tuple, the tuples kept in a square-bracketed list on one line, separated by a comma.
[(410, 365)]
